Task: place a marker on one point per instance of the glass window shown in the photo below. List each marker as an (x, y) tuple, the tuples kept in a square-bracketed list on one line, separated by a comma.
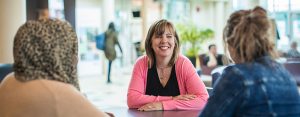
[(295, 5), (278, 5), (283, 5), (296, 25), (56, 9), (176, 10), (288, 27)]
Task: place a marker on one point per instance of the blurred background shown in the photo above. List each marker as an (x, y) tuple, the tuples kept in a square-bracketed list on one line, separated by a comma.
[(203, 19)]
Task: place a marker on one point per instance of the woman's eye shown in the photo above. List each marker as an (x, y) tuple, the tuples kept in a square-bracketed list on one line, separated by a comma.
[(158, 36)]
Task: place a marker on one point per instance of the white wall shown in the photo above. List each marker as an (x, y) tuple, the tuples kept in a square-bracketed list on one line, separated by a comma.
[(105, 8), (108, 12), (13, 15), (88, 3), (88, 12)]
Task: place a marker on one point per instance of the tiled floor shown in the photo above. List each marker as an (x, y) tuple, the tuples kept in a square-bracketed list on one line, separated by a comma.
[(105, 95)]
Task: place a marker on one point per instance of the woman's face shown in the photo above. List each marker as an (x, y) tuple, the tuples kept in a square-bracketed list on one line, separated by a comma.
[(163, 45)]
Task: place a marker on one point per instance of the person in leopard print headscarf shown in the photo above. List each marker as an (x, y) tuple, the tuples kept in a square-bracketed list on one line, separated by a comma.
[(44, 82), (46, 49)]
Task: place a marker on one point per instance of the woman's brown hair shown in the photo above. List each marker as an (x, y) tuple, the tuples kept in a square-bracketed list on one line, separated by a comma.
[(158, 28), (247, 32)]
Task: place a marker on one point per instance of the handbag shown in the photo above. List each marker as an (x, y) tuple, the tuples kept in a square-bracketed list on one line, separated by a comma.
[(100, 41)]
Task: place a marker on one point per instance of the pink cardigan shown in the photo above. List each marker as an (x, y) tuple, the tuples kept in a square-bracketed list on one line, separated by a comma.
[(188, 81)]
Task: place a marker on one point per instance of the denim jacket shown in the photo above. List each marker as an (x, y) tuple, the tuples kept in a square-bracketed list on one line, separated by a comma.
[(262, 88)]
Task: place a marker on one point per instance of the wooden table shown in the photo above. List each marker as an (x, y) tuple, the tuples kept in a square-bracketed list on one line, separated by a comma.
[(125, 112)]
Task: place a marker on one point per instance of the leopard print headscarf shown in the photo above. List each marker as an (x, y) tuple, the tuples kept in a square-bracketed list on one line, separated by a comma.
[(46, 49)]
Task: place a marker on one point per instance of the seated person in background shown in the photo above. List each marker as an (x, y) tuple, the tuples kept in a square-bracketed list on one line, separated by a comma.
[(293, 52), (213, 59), (44, 82), (256, 85), (164, 79)]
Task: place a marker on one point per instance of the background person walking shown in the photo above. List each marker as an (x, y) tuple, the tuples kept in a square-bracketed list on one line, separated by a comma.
[(110, 51)]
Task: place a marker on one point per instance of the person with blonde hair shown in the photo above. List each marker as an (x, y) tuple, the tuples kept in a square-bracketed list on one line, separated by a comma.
[(256, 85), (164, 79), (44, 82)]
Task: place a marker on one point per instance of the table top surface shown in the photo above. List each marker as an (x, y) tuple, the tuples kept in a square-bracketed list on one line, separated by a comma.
[(125, 112)]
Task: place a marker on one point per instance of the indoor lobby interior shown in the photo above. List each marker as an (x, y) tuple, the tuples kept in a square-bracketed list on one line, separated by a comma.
[(132, 19)]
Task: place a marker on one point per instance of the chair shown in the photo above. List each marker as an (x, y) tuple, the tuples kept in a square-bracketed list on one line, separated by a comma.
[(296, 59), (216, 74), (204, 69), (209, 90), (293, 68), (4, 70), (215, 77)]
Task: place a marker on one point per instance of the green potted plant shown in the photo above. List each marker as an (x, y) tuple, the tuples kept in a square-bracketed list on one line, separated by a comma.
[(192, 38)]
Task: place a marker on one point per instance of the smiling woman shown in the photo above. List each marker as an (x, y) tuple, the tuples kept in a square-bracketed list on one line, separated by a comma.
[(164, 79)]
